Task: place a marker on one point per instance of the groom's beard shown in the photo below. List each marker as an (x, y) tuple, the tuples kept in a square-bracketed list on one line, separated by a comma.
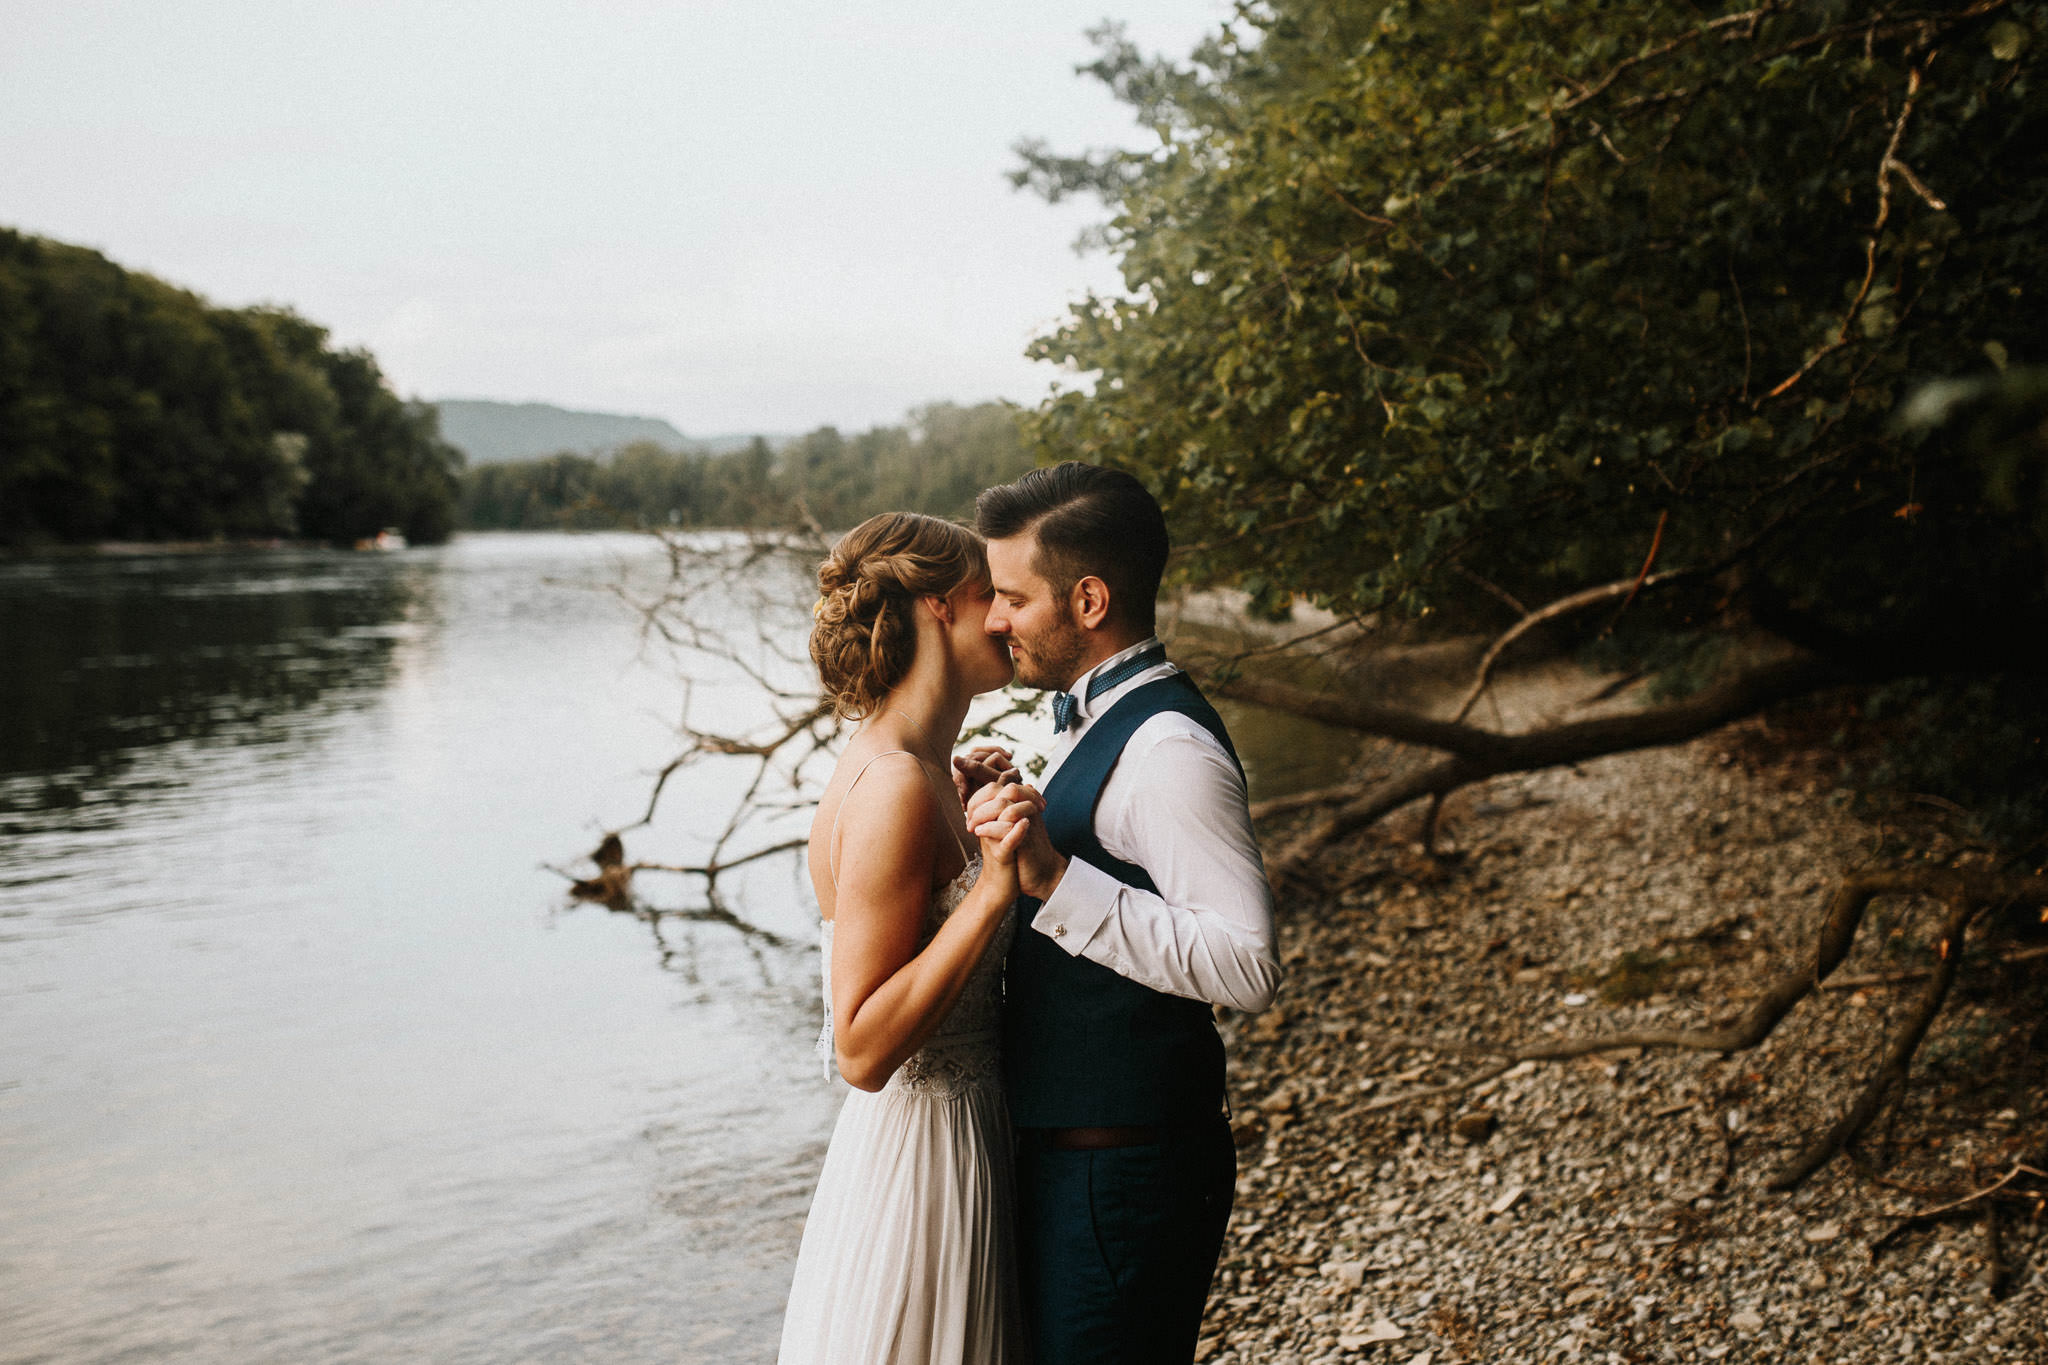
[(1052, 657)]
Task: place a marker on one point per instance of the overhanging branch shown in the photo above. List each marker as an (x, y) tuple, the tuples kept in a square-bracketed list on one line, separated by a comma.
[(1475, 754)]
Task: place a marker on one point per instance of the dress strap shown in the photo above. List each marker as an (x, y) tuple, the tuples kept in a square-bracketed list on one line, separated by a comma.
[(832, 845)]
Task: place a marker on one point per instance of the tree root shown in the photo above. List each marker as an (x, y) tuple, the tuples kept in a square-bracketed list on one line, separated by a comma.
[(1984, 1206), (1891, 1073)]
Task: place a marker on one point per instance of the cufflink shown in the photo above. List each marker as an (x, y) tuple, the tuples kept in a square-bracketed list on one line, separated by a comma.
[(1059, 931)]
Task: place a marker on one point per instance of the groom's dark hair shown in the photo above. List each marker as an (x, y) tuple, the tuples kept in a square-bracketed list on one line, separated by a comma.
[(1087, 521)]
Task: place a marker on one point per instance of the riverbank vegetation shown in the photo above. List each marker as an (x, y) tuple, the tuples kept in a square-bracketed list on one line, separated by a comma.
[(934, 462), (1699, 346), (1697, 341), (131, 409)]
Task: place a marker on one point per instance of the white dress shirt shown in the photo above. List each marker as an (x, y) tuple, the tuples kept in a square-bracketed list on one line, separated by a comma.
[(1174, 805)]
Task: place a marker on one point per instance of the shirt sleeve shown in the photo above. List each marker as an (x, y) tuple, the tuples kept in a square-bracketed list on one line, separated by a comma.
[(1175, 806)]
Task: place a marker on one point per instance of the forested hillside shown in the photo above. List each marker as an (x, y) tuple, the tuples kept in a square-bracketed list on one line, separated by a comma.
[(131, 409), (936, 462)]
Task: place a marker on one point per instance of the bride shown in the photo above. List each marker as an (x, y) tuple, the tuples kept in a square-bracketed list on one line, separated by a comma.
[(906, 1256)]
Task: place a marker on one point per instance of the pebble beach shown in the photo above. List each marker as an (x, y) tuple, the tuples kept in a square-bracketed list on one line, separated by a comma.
[(1613, 1208)]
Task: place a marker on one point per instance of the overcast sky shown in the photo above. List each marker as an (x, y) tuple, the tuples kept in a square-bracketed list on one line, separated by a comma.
[(759, 216)]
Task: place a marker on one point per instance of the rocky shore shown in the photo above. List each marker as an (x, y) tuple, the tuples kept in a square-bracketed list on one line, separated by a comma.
[(1613, 1208)]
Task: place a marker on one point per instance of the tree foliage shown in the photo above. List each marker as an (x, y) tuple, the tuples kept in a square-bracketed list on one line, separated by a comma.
[(1423, 293), (1724, 314), (936, 463), (131, 409)]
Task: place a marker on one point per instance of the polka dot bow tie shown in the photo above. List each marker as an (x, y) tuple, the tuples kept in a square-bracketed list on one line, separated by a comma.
[(1066, 706)]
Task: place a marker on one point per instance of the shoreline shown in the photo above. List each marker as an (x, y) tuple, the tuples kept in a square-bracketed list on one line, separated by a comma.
[(1611, 1208)]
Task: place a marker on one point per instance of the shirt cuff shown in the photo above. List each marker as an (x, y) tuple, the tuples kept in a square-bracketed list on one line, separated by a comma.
[(1078, 906)]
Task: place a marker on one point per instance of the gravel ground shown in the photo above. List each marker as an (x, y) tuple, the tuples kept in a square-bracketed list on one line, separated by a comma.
[(1613, 1208)]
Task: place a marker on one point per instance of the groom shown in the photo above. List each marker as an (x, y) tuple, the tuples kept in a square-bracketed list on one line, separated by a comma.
[(1146, 904)]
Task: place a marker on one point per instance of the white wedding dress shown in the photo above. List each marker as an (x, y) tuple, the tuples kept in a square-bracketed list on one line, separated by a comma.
[(907, 1255)]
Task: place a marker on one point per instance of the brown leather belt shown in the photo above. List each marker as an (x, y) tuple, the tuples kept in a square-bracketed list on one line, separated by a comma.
[(1096, 1139)]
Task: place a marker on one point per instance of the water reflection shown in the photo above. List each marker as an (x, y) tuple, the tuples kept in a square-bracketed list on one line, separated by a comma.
[(111, 656), (299, 1058), (680, 952)]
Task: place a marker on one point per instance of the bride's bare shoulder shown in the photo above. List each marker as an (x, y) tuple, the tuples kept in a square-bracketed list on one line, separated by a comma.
[(873, 827)]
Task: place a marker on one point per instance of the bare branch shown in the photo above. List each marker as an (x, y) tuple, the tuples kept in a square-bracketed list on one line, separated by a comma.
[(710, 870), (1886, 166), (1564, 606), (1490, 587)]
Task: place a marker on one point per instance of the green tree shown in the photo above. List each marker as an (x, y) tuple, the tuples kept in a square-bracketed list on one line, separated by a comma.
[(935, 463), (130, 408), (1432, 305), (1423, 297), (1416, 286)]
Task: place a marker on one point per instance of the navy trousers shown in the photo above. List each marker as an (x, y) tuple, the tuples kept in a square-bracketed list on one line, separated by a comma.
[(1117, 1246)]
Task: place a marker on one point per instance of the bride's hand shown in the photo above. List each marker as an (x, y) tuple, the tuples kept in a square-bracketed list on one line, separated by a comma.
[(1001, 817), (978, 767)]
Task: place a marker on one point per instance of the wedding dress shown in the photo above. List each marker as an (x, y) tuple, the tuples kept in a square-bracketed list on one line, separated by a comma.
[(907, 1255)]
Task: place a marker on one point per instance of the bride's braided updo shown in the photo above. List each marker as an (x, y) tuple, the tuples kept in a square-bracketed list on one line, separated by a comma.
[(865, 633)]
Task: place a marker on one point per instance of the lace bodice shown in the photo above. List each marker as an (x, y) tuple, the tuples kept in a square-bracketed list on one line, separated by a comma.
[(963, 1052)]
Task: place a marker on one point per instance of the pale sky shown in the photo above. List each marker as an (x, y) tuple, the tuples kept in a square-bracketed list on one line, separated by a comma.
[(758, 216)]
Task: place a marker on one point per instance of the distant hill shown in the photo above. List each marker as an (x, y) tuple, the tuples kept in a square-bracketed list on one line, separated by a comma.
[(491, 433)]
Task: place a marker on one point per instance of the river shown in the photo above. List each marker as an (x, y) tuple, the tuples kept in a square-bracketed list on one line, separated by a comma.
[(304, 1055)]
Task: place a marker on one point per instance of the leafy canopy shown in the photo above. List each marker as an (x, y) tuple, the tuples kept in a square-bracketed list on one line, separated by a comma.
[(1435, 291), (135, 410)]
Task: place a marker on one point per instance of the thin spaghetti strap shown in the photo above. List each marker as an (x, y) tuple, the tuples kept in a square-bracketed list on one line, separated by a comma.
[(832, 844)]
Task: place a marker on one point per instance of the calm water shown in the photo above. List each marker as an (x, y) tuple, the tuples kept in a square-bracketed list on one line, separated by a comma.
[(303, 1055)]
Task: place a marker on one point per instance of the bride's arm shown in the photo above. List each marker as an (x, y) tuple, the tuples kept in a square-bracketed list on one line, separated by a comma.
[(888, 997)]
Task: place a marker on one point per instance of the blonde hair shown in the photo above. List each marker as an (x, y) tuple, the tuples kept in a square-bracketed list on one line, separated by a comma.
[(865, 634)]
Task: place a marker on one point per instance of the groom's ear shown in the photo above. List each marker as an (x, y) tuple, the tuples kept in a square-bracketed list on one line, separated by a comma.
[(1090, 600)]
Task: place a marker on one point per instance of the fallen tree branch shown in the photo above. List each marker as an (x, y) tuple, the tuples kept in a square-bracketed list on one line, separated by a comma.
[(1431, 1092), (1355, 713), (1321, 796), (1563, 606), (710, 870), (1476, 754), (1416, 1042)]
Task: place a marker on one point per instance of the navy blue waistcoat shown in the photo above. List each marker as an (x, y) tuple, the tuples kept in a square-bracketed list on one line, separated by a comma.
[(1083, 1046)]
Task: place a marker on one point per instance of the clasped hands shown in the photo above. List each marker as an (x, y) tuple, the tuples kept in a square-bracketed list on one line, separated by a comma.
[(1006, 814)]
